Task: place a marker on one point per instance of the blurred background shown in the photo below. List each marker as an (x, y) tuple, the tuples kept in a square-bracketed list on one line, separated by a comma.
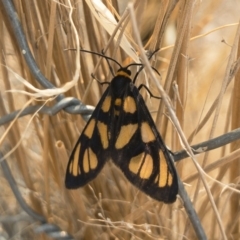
[(198, 43)]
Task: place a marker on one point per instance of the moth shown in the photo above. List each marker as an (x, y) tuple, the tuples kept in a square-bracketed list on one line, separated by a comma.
[(122, 129)]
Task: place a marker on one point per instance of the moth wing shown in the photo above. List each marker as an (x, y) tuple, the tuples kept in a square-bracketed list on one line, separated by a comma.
[(91, 150), (141, 153)]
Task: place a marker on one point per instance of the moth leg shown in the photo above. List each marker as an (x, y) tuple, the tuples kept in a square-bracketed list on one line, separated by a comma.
[(102, 83), (150, 93)]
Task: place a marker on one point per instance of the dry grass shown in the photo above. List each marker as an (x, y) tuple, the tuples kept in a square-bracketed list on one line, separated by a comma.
[(110, 207)]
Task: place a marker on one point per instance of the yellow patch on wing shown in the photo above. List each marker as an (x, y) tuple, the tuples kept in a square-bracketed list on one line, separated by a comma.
[(142, 164), (125, 135), (129, 105), (135, 163), (106, 104), (90, 127), (163, 173), (86, 166), (89, 160), (147, 133), (102, 128), (156, 179), (170, 179), (74, 167), (118, 102), (93, 159), (147, 167)]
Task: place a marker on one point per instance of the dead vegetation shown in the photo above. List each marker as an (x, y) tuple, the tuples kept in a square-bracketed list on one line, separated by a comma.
[(198, 62)]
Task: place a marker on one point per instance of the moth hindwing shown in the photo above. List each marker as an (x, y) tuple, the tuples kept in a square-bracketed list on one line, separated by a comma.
[(122, 129)]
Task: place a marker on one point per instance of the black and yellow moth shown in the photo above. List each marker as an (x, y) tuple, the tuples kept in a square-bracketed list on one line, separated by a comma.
[(122, 129)]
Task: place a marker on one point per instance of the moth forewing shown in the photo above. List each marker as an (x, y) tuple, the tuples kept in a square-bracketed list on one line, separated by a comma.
[(140, 152), (90, 152)]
